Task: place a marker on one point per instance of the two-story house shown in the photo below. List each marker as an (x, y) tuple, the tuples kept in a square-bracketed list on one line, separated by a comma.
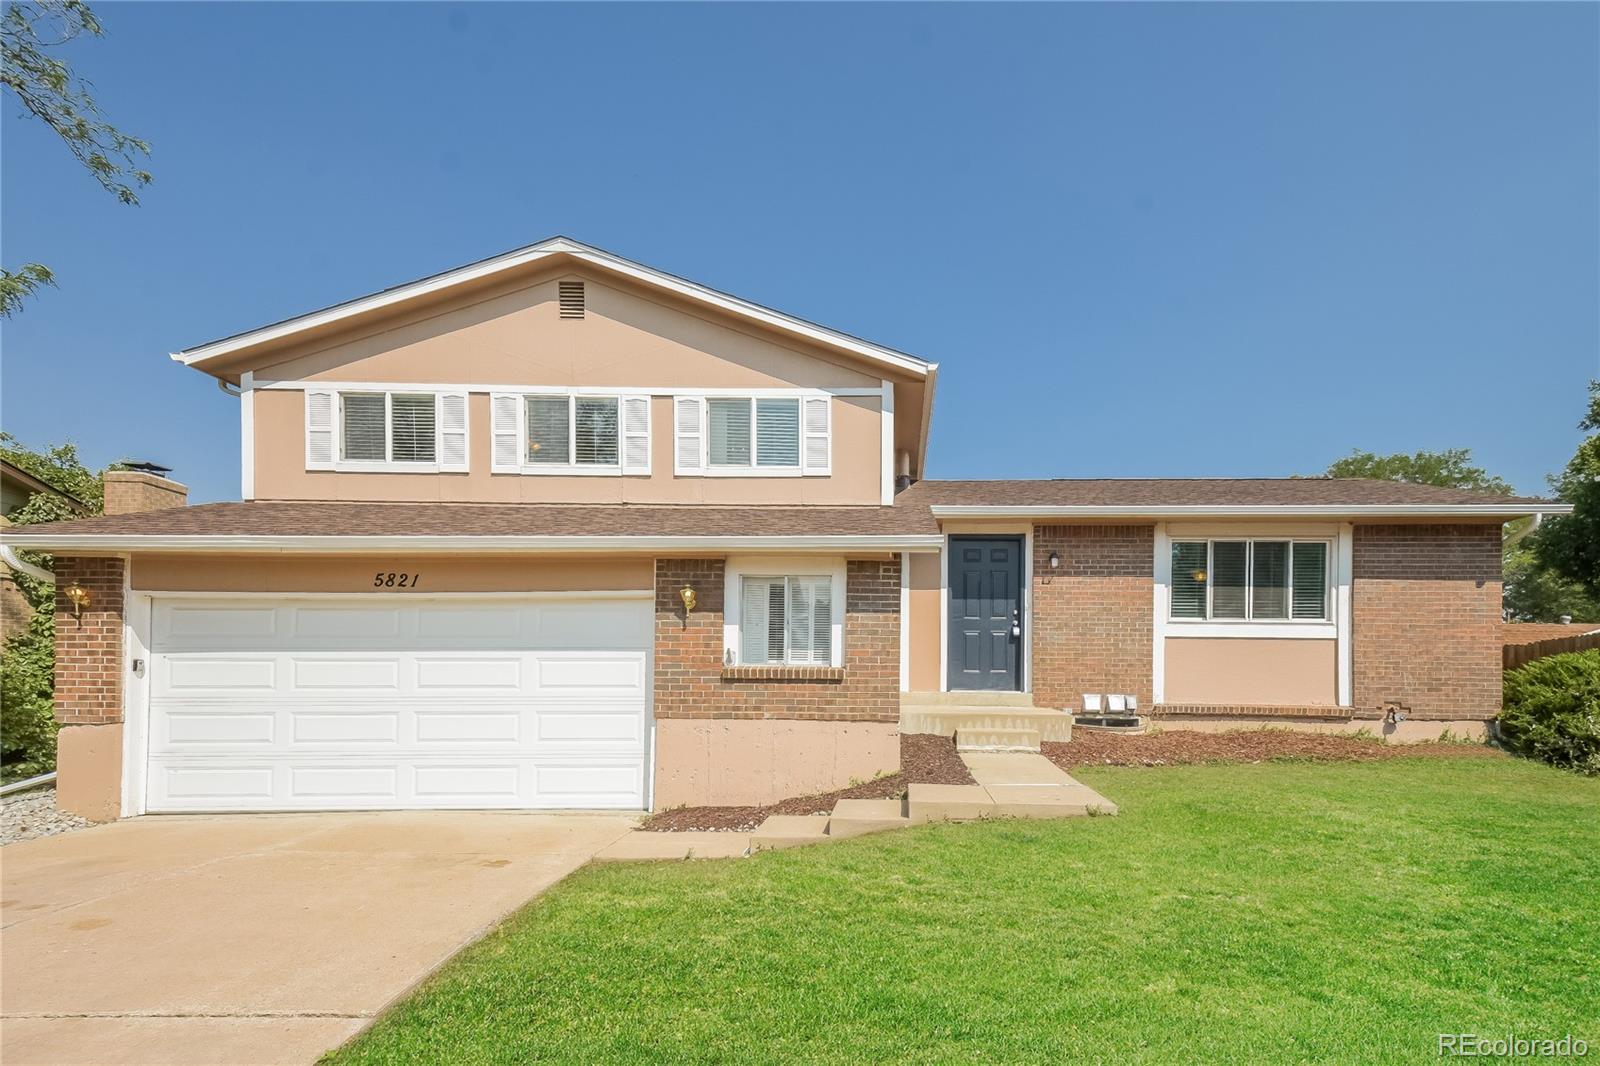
[(559, 530)]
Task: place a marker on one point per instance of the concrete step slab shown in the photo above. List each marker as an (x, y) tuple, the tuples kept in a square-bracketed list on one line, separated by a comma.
[(639, 846), (946, 721), (1013, 768), (788, 831), (997, 739), (948, 803), (856, 817)]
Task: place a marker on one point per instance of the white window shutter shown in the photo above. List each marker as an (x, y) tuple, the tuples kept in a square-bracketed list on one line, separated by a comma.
[(321, 408), (817, 446), (451, 418), (636, 434), (689, 417), (505, 433)]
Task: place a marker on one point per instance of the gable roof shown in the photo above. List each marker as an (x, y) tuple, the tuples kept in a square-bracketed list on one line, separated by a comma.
[(877, 354), (1214, 497)]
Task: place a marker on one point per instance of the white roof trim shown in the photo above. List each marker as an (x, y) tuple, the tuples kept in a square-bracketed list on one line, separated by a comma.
[(1411, 510), (532, 253), (144, 542)]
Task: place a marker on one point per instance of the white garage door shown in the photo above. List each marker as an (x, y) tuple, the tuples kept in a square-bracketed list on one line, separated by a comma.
[(360, 703)]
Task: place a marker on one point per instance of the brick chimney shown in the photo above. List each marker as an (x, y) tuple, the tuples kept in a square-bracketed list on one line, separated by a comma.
[(130, 491)]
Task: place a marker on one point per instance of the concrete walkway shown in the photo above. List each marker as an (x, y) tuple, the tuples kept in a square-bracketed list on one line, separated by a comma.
[(253, 939)]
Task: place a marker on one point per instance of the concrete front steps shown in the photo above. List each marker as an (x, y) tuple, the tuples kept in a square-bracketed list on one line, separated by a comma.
[(1006, 718), (1010, 784)]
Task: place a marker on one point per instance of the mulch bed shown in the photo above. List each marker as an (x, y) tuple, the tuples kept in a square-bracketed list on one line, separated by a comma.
[(933, 760), (1180, 747), (924, 759)]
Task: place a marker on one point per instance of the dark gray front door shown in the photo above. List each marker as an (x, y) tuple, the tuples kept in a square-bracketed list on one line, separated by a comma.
[(985, 608)]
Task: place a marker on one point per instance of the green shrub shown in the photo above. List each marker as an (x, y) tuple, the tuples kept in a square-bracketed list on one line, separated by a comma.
[(1552, 710), (27, 722)]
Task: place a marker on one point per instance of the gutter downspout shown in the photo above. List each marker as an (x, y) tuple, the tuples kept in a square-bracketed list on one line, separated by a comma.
[(9, 555)]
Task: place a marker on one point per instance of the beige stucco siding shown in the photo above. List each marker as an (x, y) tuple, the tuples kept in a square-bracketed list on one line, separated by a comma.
[(1248, 671), (356, 573), (922, 623), (281, 472), (514, 337)]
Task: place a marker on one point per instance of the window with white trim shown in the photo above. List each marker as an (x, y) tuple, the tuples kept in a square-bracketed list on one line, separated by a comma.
[(380, 430), (569, 432), (1250, 580), (753, 436), (786, 620)]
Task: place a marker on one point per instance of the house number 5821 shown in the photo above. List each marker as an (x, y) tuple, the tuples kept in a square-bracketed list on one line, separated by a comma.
[(389, 579)]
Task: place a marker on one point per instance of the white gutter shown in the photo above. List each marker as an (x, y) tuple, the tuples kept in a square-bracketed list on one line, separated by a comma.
[(23, 566), (1413, 510), (139, 542)]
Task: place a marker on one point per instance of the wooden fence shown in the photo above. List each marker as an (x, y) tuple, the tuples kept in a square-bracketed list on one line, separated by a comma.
[(1515, 655)]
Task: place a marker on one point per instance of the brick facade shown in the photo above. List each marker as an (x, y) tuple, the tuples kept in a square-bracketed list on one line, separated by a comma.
[(89, 648), (691, 681), (1093, 620), (1426, 619)]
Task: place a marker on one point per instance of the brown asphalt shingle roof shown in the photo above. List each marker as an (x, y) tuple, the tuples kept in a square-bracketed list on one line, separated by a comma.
[(1196, 492), (264, 518), (910, 514)]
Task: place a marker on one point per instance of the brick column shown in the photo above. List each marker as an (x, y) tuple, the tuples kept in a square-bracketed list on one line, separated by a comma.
[(1094, 616), (1425, 633), (88, 688)]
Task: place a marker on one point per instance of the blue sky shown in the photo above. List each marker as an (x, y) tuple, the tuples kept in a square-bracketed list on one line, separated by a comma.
[(1142, 240)]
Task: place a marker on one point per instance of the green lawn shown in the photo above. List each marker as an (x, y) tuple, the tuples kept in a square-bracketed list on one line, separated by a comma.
[(1288, 911)]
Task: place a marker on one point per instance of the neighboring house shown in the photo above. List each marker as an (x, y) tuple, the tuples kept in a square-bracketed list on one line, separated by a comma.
[(558, 530), (17, 487)]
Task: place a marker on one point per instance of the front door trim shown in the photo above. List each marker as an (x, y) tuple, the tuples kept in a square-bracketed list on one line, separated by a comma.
[(1023, 535)]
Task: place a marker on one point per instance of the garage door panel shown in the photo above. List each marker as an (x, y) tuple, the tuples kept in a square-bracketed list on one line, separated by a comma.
[(200, 728), (600, 624), (211, 623), (502, 674), (346, 621), (500, 783), (188, 674), (478, 623), (610, 677), (586, 723), (310, 705), (343, 727), (588, 784), (446, 727)]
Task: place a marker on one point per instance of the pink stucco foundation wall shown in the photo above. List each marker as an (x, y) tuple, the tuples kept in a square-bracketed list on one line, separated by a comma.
[(747, 762)]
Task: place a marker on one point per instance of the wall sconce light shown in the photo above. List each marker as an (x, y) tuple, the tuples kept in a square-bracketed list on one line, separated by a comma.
[(1055, 560), (690, 601), (79, 596)]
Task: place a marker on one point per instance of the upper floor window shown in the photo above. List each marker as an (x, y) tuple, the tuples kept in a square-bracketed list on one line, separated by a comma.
[(753, 436), (385, 430), (387, 427), (1257, 580), (570, 432)]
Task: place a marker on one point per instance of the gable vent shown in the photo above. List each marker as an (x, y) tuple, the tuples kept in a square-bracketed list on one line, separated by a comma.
[(570, 295)]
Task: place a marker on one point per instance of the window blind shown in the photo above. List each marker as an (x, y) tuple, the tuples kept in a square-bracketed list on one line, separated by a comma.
[(777, 432), (595, 419), (762, 626), (412, 432), (1228, 578), (1310, 580), (364, 426), (810, 620), (1269, 579), (1189, 579), (729, 432), (548, 431), (786, 620)]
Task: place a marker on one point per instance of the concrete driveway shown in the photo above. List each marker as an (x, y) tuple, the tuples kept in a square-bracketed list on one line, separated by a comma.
[(253, 938)]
